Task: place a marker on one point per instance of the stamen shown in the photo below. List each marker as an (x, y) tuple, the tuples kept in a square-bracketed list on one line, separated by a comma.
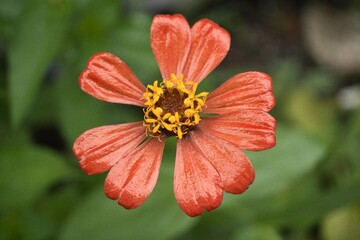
[(172, 119), (172, 108), (166, 116)]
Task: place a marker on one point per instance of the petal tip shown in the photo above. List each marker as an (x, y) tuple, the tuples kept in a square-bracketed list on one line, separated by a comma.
[(107, 78), (200, 209)]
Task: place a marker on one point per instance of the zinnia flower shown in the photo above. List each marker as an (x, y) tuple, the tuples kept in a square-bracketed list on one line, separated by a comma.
[(209, 157)]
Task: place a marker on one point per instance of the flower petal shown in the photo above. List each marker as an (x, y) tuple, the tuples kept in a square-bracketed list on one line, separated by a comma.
[(197, 184), (170, 41), (210, 44), (110, 79), (98, 149), (133, 178), (248, 129), (232, 164), (250, 90)]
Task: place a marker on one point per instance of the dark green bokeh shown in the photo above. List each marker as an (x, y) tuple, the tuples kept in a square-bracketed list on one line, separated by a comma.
[(307, 187)]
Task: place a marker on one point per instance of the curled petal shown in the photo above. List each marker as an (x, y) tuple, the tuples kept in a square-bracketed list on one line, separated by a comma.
[(98, 149), (250, 90), (248, 129), (110, 79), (232, 164), (133, 178), (170, 41), (210, 44), (197, 184)]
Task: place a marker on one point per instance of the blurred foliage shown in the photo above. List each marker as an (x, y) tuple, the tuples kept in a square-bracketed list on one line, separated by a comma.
[(307, 187)]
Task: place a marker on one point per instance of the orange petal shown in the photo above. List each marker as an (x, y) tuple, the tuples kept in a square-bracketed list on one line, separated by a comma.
[(98, 149), (250, 90), (234, 167), (197, 184), (248, 129), (110, 79), (210, 44), (133, 178), (170, 41)]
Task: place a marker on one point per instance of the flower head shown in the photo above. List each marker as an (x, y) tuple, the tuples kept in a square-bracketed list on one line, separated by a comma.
[(209, 156), (173, 107)]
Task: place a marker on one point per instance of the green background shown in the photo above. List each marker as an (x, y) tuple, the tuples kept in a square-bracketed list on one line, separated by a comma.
[(307, 187)]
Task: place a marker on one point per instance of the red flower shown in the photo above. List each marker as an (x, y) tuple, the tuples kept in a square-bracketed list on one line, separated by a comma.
[(209, 159)]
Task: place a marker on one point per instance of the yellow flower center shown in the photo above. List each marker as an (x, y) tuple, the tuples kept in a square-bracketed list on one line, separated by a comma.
[(172, 108)]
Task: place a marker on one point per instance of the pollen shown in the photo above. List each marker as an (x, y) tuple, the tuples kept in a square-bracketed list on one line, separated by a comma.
[(172, 107)]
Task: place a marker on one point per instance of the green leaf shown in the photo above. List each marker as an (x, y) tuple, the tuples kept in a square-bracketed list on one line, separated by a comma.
[(290, 194), (276, 169), (159, 217), (78, 111), (342, 224), (9, 12), (314, 207), (278, 209), (284, 74), (300, 205), (39, 35), (130, 41), (294, 155), (257, 232), (25, 172), (352, 141), (95, 21), (311, 113)]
